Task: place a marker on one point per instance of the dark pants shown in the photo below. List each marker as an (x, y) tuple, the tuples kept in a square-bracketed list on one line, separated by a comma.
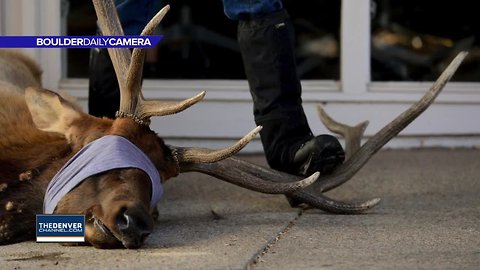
[(267, 47)]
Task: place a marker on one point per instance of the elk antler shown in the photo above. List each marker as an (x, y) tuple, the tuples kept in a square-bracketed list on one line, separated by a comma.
[(359, 158), (232, 169), (129, 67), (237, 171), (207, 160)]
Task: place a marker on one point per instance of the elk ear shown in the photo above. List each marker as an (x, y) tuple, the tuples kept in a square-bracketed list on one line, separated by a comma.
[(50, 112)]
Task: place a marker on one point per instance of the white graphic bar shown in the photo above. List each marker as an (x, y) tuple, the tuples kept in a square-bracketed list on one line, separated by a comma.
[(60, 239)]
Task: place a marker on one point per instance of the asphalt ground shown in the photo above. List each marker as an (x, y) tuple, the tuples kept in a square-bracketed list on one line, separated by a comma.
[(429, 218)]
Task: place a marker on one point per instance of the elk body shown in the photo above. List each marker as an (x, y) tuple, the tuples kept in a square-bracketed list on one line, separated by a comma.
[(41, 132)]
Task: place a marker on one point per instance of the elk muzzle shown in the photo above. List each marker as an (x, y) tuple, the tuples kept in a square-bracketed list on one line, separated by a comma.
[(134, 224), (127, 225)]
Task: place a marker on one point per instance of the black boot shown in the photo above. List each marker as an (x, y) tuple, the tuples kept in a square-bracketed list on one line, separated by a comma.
[(103, 89), (267, 49)]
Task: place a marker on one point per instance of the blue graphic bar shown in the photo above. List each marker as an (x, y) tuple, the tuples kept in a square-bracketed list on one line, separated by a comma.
[(84, 42)]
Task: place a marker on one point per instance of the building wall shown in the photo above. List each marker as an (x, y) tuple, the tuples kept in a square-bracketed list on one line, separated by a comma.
[(226, 112)]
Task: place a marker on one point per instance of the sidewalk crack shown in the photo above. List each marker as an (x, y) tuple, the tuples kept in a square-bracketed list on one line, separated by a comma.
[(257, 256)]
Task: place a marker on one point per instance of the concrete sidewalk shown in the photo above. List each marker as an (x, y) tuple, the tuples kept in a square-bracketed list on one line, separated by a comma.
[(429, 218)]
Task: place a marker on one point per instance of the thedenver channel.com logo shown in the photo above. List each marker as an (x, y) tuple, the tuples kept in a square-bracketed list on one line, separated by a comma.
[(71, 228), (60, 228)]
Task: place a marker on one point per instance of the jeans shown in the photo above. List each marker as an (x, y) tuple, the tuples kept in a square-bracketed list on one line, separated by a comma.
[(135, 14), (250, 9)]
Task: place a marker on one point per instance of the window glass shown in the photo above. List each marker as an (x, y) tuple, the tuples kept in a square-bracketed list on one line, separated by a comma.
[(200, 42), (414, 40)]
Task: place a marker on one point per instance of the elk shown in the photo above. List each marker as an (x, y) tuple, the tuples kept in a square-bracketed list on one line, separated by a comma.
[(43, 134)]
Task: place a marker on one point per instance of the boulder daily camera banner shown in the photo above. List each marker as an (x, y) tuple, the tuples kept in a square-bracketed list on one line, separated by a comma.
[(60, 228), (84, 42)]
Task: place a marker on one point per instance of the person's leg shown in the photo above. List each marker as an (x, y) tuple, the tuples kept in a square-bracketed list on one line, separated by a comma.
[(103, 88), (266, 39)]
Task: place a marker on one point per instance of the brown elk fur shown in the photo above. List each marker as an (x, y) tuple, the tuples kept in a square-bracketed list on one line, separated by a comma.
[(40, 132), (18, 70)]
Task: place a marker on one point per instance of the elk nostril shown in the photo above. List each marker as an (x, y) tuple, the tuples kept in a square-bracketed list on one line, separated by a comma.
[(123, 219), (134, 225), (126, 222)]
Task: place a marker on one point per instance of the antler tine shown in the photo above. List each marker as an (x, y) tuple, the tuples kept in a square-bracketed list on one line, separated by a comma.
[(149, 108), (129, 67), (351, 166), (352, 134), (245, 179), (110, 25), (135, 70), (204, 155)]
